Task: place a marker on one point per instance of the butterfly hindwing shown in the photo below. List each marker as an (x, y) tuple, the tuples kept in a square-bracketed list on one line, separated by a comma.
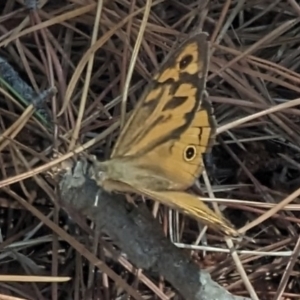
[(190, 205)]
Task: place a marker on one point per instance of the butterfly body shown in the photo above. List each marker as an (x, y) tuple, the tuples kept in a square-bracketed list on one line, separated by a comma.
[(159, 151), (133, 174)]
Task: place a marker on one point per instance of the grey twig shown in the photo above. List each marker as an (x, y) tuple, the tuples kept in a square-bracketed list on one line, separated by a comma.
[(139, 236), (31, 4)]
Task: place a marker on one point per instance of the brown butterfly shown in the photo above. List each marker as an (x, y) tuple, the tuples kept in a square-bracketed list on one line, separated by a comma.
[(159, 151)]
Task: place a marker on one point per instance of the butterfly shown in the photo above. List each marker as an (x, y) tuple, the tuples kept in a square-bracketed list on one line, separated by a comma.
[(159, 151)]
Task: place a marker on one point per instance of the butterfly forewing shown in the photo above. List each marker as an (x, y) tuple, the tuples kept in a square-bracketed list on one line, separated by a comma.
[(169, 103)]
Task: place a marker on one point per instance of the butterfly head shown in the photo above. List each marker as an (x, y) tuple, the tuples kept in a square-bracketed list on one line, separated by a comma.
[(98, 170)]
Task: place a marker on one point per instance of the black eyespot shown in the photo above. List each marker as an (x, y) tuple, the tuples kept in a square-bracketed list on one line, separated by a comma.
[(190, 153), (185, 61)]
